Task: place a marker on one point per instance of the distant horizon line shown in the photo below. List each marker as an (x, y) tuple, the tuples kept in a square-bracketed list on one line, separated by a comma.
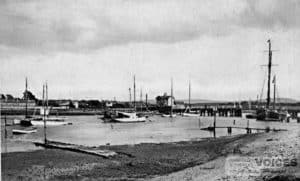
[(180, 99)]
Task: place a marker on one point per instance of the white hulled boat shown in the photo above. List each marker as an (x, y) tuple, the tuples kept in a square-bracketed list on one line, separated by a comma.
[(24, 131), (188, 112), (123, 117)]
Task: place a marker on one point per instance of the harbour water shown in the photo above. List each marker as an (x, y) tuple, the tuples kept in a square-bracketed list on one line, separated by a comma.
[(91, 131)]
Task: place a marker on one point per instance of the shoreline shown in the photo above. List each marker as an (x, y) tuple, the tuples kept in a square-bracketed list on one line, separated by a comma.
[(149, 160), (184, 160), (276, 146)]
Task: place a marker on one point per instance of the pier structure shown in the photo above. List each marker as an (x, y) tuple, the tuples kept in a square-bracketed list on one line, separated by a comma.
[(220, 112)]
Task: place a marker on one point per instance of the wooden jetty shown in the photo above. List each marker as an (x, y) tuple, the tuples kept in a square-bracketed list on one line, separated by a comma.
[(77, 148)]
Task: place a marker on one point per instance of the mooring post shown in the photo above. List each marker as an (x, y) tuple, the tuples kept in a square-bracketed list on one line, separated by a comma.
[(248, 129), (5, 130), (215, 120), (229, 130)]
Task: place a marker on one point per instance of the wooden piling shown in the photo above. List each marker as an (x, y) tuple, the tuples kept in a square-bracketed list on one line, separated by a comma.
[(229, 130)]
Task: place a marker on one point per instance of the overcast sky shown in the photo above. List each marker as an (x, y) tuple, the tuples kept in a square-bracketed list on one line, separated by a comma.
[(92, 49)]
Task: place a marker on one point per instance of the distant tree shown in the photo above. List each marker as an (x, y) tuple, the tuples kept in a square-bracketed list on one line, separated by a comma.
[(2, 96), (94, 104), (28, 95), (9, 97)]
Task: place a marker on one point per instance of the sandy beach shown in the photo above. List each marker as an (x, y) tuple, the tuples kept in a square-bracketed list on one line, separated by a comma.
[(189, 160)]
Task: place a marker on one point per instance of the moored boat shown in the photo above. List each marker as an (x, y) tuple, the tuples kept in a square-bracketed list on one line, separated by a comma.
[(123, 117), (190, 114), (267, 113), (49, 122), (24, 131), (169, 115)]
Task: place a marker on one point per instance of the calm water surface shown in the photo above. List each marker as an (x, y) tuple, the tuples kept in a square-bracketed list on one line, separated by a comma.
[(91, 131)]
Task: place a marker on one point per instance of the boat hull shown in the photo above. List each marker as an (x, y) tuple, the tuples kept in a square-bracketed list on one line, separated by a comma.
[(128, 120), (269, 115), (25, 122), (19, 131), (190, 115), (48, 123), (168, 115)]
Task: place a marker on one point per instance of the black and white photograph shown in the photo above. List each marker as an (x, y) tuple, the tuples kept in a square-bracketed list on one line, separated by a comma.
[(150, 90)]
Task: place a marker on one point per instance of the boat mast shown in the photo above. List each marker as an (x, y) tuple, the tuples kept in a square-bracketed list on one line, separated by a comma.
[(269, 73), (47, 99), (26, 98), (189, 94), (171, 113), (141, 98), (44, 110), (134, 92), (146, 99), (274, 96), (129, 96)]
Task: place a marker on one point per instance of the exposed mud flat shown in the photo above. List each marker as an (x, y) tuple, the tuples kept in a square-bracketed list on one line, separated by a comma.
[(141, 161)]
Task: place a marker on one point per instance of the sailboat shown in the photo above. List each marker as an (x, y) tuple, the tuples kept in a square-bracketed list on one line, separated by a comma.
[(171, 115), (44, 112), (125, 117), (267, 113), (188, 112), (26, 120)]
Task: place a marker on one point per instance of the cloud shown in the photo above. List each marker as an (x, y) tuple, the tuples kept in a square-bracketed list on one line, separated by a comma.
[(87, 25), (271, 14)]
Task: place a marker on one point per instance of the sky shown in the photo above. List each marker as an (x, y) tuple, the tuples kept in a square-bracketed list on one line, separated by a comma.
[(91, 49)]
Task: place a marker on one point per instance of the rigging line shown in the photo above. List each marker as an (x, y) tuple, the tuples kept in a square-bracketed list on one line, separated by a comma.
[(262, 90), (277, 94)]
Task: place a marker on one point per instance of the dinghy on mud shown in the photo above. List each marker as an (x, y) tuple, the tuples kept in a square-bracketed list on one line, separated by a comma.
[(24, 131)]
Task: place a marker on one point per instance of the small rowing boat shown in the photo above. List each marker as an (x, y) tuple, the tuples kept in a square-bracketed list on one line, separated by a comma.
[(24, 131)]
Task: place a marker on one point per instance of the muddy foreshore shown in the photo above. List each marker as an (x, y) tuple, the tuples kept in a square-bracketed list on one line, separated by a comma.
[(146, 161), (139, 161)]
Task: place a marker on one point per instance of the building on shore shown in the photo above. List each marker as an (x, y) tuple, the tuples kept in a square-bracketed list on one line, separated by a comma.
[(8, 102), (165, 100)]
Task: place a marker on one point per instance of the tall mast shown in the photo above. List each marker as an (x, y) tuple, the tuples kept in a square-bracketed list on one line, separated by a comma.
[(269, 74), (46, 97), (26, 98), (171, 97), (134, 92), (146, 99), (141, 97), (44, 110), (43, 100), (129, 95), (189, 94), (274, 96)]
